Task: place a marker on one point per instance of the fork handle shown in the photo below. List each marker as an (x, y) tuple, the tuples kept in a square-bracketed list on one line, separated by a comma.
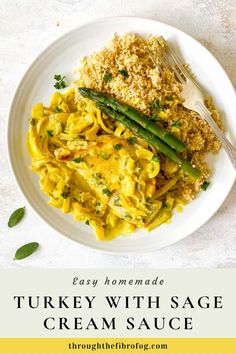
[(228, 147)]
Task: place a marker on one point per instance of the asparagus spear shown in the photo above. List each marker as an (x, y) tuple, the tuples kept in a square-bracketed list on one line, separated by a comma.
[(152, 140), (136, 116)]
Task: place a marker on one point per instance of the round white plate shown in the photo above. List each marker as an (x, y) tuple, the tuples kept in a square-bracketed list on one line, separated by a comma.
[(62, 57)]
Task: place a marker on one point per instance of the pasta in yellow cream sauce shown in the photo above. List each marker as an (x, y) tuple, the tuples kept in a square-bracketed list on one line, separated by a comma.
[(97, 169)]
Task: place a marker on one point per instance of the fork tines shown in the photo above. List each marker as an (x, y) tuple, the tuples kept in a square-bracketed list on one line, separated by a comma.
[(169, 60)]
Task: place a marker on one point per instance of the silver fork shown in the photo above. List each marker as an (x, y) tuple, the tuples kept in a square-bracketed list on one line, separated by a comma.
[(192, 93)]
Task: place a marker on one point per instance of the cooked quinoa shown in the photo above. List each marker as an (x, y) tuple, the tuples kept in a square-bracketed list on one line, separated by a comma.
[(125, 70)]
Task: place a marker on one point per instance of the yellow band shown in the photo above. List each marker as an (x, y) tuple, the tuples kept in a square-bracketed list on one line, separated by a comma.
[(117, 345)]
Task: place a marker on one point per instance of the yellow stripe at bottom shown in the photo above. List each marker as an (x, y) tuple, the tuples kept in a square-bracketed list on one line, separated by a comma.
[(117, 345)]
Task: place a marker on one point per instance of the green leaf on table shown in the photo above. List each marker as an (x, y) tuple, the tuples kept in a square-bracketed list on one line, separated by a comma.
[(16, 217), (26, 250)]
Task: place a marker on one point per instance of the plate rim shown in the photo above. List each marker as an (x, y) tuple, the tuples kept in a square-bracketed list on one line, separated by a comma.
[(96, 247)]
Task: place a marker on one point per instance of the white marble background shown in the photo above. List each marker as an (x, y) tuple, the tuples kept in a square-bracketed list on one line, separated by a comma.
[(28, 26)]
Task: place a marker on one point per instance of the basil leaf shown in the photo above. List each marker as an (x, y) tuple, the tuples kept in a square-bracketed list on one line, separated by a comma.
[(26, 250), (16, 217)]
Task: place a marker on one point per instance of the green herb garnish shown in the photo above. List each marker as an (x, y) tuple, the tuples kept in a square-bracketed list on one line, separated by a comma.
[(205, 185), (60, 84), (107, 77), (124, 73), (57, 77), (65, 195), (50, 133), (26, 250), (117, 146), (132, 140), (87, 222), (106, 191), (16, 217), (155, 158), (78, 159), (66, 192), (157, 105), (58, 110), (176, 124)]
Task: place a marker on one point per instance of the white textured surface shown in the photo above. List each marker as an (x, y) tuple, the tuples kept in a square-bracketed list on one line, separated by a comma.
[(26, 27)]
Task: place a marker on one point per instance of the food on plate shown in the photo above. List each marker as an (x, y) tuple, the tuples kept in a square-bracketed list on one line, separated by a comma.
[(104, 103), (118, 150)]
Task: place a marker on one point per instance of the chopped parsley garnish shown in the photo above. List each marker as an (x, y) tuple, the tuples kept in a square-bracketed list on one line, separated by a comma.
[(117, 146), (87, 222), (66, 192), (60, 82), (132, 140), (78, 159), (65, 195), (165, 205), (176, 124), (107, 77), (205, 185), (124, 73), (155, 158), (106, 191), (58, 110), (157, 105), (50, 133)]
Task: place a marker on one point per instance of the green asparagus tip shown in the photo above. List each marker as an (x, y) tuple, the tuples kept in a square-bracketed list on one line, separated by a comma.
[(84, 91)]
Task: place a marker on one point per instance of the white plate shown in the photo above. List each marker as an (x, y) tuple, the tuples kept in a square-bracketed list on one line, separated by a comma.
[(62, 57)]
